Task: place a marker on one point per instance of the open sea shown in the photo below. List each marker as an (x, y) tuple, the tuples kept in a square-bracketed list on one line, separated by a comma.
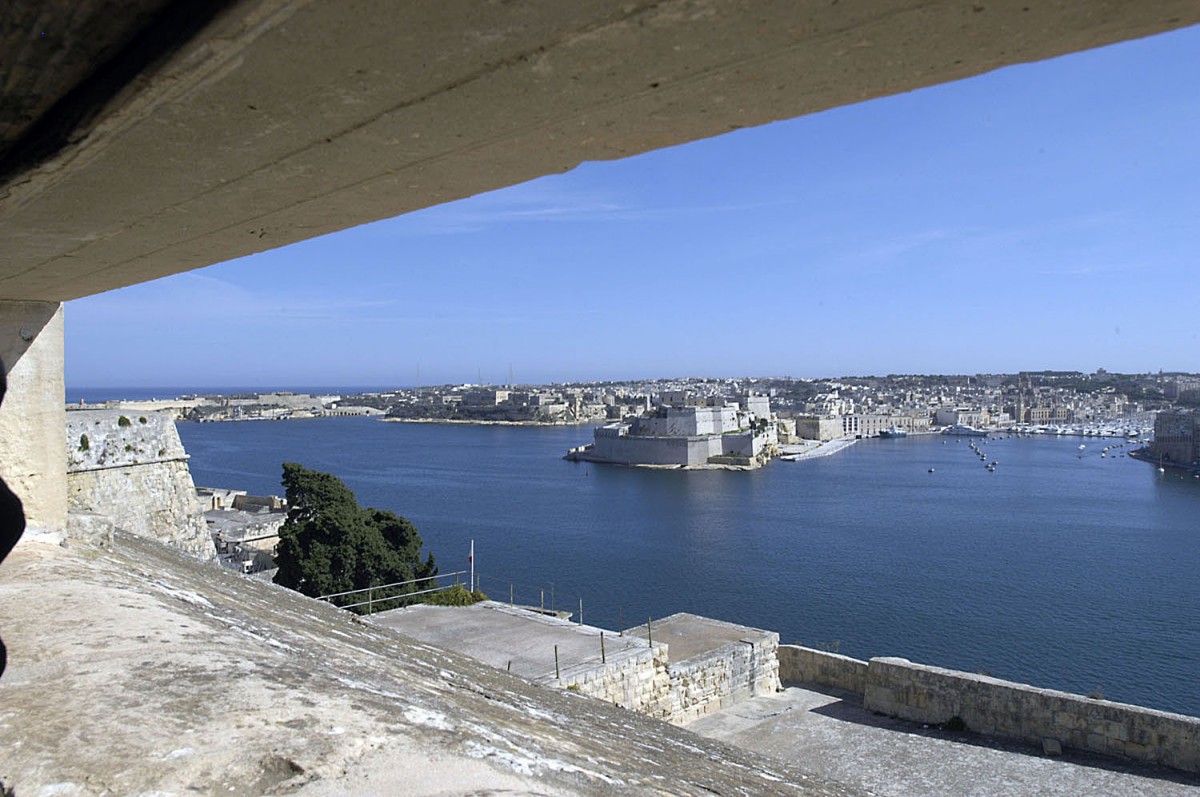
[(1062, 568)]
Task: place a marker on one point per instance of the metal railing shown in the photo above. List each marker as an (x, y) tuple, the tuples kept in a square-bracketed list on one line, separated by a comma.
[(374, 593)]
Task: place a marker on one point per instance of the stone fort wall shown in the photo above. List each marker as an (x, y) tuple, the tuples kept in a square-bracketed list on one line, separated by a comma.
[(921, 693), (646, 680), (129, 471), (722, 677), (635, 679)]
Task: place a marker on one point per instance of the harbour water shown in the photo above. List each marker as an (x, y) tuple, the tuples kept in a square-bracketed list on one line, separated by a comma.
[(1061, 568)]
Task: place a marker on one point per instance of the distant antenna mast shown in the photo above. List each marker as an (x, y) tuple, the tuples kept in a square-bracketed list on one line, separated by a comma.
[(510, 382), (418, 377)]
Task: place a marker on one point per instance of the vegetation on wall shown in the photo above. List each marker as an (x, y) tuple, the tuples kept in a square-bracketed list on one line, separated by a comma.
[(455, 595), (330, 544)]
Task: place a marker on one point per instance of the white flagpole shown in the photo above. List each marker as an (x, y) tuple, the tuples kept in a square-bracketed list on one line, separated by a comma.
[(471, 561)]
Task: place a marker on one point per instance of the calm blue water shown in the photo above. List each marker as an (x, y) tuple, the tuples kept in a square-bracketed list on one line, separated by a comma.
[(1077, 574)]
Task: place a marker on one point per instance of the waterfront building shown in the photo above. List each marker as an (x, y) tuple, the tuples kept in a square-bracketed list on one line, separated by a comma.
[(818, 427), (859, 426), (1045, 415), (1177, 437), (951, 416), (856, 426), (485, 397)]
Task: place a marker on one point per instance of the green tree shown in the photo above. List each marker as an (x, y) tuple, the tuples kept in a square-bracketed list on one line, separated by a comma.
[(331, 544)]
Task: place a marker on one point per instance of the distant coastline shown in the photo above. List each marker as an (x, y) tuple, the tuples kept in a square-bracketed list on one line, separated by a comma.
[(469, 422), (99, 395)]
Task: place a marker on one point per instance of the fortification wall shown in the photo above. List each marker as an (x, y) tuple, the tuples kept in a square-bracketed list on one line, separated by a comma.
[(921, 693), (635, 679), (132, 471), (644, 450), (721, 677), (807, 666), (641, 679)]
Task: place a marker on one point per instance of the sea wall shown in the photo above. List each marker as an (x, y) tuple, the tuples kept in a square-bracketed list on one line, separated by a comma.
[(934, 695), (131, 470)]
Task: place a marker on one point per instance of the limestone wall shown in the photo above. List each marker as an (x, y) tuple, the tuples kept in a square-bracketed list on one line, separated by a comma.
[(719, 678), (920, 693), (635, 679), (988, 705), (808, 666), (644, 679), (132, 469)]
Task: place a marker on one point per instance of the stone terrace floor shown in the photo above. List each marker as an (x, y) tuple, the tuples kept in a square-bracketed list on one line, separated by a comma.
[(822, 731), (830, 735), (514, 640)]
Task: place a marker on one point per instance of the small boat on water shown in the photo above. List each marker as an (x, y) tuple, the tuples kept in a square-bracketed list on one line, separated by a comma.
[(893, 432)]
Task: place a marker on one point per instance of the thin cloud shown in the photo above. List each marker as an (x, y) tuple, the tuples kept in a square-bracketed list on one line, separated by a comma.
[(194, 295)]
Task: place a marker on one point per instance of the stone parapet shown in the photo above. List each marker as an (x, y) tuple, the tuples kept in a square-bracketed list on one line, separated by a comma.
[(101, 439), (132, 470), (635, 679), (799, 664), (719, 678), (921, 693), (1044, 717)]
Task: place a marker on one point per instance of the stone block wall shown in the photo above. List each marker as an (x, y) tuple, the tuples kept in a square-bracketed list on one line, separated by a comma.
[(721, 677), (934, 695), (988, 705), (132, 470), (635, 679), (643, 678), (803, 665)]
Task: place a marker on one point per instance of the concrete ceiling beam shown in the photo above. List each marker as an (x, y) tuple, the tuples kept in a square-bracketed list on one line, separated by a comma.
[(279, 121)]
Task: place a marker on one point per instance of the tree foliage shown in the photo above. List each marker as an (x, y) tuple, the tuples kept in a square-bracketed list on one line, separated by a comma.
[(330, 544)]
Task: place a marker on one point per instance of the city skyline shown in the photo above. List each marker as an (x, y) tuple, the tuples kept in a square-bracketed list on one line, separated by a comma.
[(1040, 216)]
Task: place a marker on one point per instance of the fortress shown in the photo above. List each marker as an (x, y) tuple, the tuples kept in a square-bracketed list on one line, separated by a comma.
[(146, 138), (687, 436)]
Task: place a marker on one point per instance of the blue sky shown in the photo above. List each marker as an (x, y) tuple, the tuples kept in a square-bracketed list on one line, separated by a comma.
[(1041, 216)]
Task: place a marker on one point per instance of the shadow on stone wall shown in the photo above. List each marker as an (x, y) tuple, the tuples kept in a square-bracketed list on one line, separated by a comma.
[(12, 516)]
